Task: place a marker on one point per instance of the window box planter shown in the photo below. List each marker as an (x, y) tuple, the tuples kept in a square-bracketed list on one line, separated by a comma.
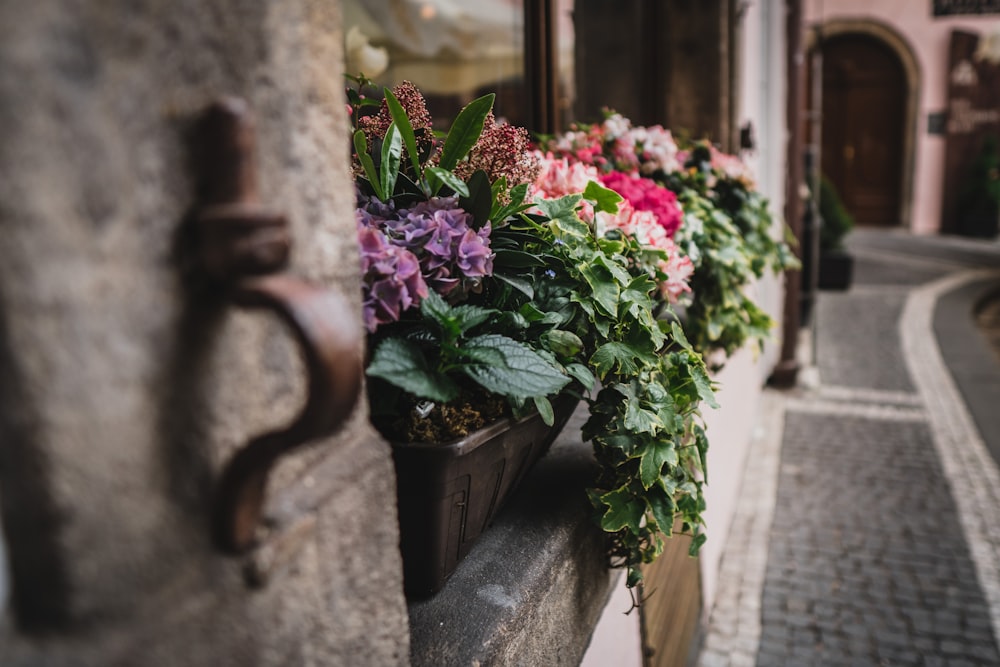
[(449, 493)]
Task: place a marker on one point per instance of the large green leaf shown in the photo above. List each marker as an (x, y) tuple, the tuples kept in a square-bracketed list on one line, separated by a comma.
[(604, 199), (479, 201), (402, 122), (662, 507), (437, 177), (361, 148), (465, 131), (614, 356), (523, 372), (402, 364), (605, 289), (392, 155), (655, 455)]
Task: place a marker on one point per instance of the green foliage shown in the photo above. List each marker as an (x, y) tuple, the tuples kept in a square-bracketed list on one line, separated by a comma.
[(728, 234), (445, 344), (836, 220), (593, 307)]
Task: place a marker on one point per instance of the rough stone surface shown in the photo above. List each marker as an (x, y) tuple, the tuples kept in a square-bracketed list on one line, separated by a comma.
[(122, 390)]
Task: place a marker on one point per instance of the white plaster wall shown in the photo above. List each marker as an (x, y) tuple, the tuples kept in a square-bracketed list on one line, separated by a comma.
[(763, 92), (928, 38)]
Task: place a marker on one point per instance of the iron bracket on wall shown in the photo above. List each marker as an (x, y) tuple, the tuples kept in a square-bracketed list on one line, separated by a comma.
[(244, 249)]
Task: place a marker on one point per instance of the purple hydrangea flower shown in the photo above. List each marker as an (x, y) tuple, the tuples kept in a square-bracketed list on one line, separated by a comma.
[(405, 252)]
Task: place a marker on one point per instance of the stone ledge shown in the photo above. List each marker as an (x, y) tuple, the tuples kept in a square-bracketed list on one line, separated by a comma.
[(532, 589)]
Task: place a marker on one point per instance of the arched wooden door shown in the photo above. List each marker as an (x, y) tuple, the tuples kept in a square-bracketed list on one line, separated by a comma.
[(864, 94)]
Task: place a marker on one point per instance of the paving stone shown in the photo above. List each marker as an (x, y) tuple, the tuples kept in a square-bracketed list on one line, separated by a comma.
[(875, 553)]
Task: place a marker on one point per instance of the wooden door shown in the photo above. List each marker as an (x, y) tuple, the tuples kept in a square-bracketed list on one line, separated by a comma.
[(864, 92)]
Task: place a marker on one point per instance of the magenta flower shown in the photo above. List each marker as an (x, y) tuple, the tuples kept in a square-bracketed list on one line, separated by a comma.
[(646, 195)]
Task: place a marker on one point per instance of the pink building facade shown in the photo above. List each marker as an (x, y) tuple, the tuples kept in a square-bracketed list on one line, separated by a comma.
[(921, 42)]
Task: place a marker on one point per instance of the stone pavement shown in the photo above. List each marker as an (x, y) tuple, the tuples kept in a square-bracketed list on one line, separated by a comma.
[(868, 531)]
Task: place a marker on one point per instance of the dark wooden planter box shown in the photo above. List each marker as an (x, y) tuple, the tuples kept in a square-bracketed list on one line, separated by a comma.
[(836, 270), (449, 493)]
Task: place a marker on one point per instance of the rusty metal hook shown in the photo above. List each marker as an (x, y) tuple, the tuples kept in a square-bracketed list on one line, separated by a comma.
[(243, 248)]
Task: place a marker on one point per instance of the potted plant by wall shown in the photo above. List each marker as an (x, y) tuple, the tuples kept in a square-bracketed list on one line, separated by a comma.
[(836, 264), (979, 202), (710, 208), (489, 295)]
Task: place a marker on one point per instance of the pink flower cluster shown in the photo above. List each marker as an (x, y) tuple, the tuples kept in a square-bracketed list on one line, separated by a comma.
[(644, 227), (646, 195), (561, 176)]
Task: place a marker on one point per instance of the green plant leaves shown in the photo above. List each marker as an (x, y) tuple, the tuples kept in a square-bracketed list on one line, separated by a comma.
[(392, 154), (436, 177), (402, 121), (401, 363), (623, 511), (465, 131), (515, 369)]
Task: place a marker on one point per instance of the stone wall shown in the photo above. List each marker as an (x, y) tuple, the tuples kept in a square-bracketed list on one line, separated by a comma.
[(123, 388)]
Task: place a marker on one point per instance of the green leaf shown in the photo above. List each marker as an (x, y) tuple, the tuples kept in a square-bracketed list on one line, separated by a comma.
[(604, 199), (583, 375), (563, 343), (703, 383), (521, 285), (436, 177), (605, 290), (479, 201), (662, 507), (544, 408), (436, 309), (402, 364), (614, 356), (523, 372), (623, 511), (361, 148), (517, 259), (696, 542), (658, 452), (392, 155), (402, 122), (465, 131)]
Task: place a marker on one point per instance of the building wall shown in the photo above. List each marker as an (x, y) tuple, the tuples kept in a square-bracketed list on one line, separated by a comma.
[(125, 388), (928, 38)]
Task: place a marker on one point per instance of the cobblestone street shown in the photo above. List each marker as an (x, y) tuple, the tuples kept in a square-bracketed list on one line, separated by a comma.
[(869, 525)]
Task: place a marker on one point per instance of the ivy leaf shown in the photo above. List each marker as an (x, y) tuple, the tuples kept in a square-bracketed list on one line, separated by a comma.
[(703, 383), (605, 289), (465, 131), (402, 364), (637, 418), (623, 511), (614, 356), (696, 543), (656, 454), (522, 373), (604, 199), (662, 507)]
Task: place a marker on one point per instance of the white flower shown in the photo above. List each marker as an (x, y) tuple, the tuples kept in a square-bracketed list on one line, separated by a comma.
[(362, 57)]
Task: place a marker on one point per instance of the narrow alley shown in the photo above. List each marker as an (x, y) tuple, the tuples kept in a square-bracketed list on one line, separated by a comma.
[(868, 530)]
